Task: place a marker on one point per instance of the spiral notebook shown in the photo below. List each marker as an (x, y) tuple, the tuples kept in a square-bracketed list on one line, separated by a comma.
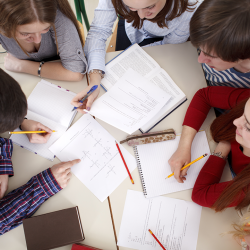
[(50, 105), (152, 161)]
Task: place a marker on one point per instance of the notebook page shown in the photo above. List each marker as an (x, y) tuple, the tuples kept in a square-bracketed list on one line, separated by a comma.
[(52, 102), (174, 222), (155, 168), (135, 58), (131, 103), (101, 168), (40, 149)]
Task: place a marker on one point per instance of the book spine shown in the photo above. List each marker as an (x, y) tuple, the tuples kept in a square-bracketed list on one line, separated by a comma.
[(140, 170)]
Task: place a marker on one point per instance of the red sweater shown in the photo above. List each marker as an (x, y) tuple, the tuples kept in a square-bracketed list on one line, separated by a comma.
[(207, 188)]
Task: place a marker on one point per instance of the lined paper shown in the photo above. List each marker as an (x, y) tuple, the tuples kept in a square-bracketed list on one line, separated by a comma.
[(153, 160), (174, 222)]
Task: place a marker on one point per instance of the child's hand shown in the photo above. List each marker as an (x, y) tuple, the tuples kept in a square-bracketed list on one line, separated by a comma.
[(3, 184), (62, 172), (30, 125)]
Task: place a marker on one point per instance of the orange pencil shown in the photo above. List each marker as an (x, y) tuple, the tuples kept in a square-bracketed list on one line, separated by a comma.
[(124, 163), (156, 239)]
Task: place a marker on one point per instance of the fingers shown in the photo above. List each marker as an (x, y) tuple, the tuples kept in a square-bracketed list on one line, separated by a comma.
[(38, 138), (90, 101), (70, 164), (42, 127), (76, 100)]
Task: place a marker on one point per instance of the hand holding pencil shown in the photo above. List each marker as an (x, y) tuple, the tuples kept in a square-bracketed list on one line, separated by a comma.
[(30, 125), (187, 165)]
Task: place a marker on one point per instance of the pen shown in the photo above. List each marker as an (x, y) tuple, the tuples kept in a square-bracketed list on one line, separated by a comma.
[(87, 95), (188, 164), (124, 163), (156, 239), (30, 132)]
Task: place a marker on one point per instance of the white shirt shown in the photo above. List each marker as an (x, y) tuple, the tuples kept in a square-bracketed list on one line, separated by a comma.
[(101, 29)]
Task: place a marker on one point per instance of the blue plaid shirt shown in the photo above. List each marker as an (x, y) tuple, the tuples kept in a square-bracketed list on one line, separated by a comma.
[(24, 201)]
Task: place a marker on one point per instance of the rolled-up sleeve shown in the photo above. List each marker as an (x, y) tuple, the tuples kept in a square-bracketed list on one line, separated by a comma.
[(69, 45), (6, 149)]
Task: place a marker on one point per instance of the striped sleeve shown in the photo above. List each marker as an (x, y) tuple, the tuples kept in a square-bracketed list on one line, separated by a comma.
[(24, 201), (6, 149)]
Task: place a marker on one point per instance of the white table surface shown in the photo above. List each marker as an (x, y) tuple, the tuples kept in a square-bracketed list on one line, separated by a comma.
[(180, 61), (95, 215)]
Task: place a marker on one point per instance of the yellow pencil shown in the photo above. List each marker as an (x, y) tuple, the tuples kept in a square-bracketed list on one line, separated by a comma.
[(30, 132), (189, 164)]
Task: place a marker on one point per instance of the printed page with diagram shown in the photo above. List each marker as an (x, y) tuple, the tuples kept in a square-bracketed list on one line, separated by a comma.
[(101, 168)]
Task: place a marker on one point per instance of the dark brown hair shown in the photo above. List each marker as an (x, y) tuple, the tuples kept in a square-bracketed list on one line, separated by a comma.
[(13, 103), (223, 129), (20, 12), (222, 27), (168, 12)]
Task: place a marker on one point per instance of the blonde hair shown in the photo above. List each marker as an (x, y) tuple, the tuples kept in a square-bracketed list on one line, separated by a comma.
[(242, 228)]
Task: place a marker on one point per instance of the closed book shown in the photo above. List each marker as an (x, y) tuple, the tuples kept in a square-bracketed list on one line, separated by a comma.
[(83, 247), (53, 230)]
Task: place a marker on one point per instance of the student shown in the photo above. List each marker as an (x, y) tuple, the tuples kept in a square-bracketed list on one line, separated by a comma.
[(146, 22), (24, 201), (232, 133), (221, 29), (36, 31)]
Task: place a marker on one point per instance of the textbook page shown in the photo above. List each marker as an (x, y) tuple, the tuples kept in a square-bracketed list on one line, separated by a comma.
[(175, 223), (101, 168), (165, 82), (130, 103), (40, 149), (135, 58), (153, 165)]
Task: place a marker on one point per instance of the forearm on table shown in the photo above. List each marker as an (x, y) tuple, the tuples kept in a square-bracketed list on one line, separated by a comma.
[(50, 70), (187, 137), (24, 201)]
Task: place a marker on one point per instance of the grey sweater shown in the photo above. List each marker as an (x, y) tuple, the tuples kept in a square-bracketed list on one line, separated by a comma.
[(69, 45)]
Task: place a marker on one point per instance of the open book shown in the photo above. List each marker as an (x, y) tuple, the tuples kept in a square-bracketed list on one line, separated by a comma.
[(50, 105), (137, 59)]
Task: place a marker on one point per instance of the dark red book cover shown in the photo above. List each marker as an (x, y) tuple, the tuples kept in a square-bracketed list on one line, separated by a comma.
[(83, 247)]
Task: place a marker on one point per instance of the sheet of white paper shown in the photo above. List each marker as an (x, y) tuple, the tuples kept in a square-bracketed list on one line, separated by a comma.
[(130, 103), (154, 165), (162, 80), (174, 222), (40, 149), (101, 168), (52, 102), (133, 58)]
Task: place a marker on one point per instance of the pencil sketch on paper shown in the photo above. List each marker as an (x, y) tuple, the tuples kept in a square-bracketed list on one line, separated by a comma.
[(101, 167)]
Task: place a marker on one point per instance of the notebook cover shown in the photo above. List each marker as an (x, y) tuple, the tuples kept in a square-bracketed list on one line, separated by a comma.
[(83, 247), (53, 230)]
